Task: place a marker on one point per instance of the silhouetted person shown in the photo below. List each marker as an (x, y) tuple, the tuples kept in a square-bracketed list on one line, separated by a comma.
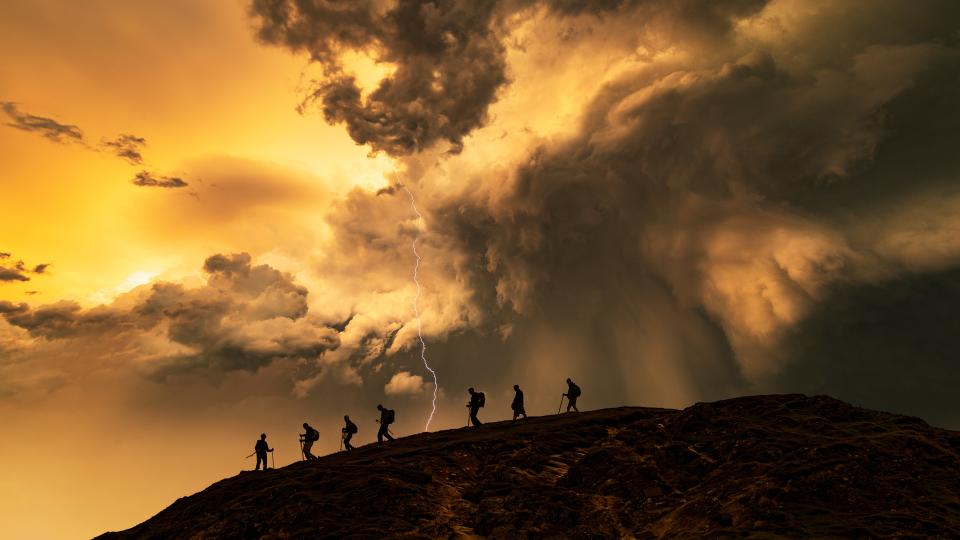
[(517, 404), (309, 436), (573, 392), (477, 400), (349, 429), (261, 449), (387, 417)]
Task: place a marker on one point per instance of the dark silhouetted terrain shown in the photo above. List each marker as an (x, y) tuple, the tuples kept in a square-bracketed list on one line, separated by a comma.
[(773, 465)]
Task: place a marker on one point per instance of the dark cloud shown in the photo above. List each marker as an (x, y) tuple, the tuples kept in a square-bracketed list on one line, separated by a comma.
[(7, 307), (245, 317), (148, 179), (713, 203), (127, 147), (12, 274), (890, 346), (47, 127), (18, 270), (448, 58), (67, 319)]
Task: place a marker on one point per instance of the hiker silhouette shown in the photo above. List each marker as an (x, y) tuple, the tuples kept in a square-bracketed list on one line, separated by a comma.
[(477, 400), (517, 404), (260, 449), (573, 392), (309, 436), (349, 429), (387, 417)]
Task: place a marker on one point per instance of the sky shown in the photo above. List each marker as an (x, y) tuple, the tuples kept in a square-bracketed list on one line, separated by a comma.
[(207, 222)]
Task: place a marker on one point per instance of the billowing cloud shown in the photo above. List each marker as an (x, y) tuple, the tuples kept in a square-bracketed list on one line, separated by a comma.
[(404, 383), (447, 61), (244, 317), (148, 179), (127, 147), (713, 198), (12, 274), (720, 175), (47, 127)]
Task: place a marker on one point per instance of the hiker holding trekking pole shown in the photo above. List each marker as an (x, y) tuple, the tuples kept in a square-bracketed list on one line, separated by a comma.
[(260, 449), (477, 400), (573, 392)]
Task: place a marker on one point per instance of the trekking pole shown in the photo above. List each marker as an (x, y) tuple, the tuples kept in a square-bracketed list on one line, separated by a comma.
[(302, 455), (341, 442), (561, 403), (250, 456), (273, 461)]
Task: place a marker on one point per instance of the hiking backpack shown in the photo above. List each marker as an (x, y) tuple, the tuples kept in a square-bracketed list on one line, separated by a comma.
[(481, 399), (351, 428), (391, 416), (574, 390), (314, 435)]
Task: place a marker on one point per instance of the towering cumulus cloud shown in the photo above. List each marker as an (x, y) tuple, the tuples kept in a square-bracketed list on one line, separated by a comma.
[(733, 167)]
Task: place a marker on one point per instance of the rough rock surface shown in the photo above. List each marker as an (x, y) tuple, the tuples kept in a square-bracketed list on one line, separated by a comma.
[(761, 466)]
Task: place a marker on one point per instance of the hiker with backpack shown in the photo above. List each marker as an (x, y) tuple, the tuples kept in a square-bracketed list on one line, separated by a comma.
[(573, 392), (349, 430), (307, 439), (387, 417), (477, 400), (260, 449), (517, 404)]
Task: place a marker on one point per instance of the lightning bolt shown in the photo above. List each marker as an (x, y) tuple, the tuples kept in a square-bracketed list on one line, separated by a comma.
[(416, 311)]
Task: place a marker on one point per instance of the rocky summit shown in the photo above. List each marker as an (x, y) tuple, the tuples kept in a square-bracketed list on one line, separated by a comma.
[(760, 466)]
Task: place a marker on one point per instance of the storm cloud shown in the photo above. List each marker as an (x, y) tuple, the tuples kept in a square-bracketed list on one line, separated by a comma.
[(448, 61), (664, 200), (724, 184)]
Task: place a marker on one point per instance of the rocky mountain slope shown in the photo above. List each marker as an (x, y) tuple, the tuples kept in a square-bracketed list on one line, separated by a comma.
[(768, 465)]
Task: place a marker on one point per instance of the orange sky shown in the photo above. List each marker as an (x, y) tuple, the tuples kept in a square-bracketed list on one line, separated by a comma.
[(187, 76)]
